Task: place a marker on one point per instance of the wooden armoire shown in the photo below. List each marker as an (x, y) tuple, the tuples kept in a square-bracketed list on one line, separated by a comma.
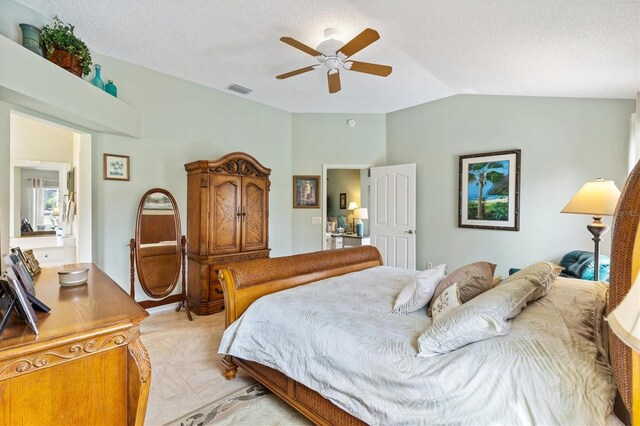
[(227, 221)]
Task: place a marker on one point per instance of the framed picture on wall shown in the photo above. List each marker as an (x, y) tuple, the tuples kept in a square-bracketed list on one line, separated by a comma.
[(116, 167), (489, 191), (306, 192), (343, 201)]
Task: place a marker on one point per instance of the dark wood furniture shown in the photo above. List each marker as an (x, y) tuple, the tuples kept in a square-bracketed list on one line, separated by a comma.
[(227, 221), (87, 365), (158, 251)]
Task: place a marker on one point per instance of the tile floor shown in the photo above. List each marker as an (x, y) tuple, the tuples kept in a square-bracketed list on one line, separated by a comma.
[(185, 365)]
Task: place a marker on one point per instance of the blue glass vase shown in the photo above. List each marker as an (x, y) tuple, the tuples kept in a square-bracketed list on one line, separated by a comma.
[(97, 81), (111, 89)]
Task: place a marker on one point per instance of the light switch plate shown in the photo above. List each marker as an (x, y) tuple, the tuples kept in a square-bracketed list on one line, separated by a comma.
[(316, 220)]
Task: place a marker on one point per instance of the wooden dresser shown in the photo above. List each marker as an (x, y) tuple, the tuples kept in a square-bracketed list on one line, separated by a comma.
[(227, 221), (87, 366)]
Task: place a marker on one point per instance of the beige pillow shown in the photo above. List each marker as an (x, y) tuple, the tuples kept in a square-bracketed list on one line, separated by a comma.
[(418, 292), (449, 299), (484, 317), (473, 279), (542, 274)]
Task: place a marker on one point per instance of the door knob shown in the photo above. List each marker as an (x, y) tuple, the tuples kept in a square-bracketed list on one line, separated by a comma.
[(410, 231)]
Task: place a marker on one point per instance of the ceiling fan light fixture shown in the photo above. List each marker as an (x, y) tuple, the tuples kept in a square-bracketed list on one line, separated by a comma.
[(332, 55)]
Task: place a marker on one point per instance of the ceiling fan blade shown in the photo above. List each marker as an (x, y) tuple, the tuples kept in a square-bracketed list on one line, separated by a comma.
[(359, 42), (334, 82), (296, 72), (367, 68), (300, 46)]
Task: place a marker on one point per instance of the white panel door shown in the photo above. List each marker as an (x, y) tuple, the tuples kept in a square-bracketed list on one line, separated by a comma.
[(392, 217)]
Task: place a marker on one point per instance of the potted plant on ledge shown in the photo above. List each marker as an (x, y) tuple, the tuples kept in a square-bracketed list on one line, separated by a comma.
[(64, 49)]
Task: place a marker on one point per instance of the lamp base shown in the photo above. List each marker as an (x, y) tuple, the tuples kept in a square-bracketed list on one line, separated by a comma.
[(597, 228)]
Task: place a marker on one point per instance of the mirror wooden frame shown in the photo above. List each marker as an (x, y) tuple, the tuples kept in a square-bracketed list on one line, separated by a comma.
[(164, 297)]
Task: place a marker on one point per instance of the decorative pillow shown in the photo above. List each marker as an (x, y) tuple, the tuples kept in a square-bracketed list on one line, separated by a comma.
[(418, 292), (449, 299), (481, 318), (542, 274), (472, 279)]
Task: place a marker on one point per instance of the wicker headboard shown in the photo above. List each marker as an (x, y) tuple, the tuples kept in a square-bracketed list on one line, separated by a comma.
[(625, 262), (244, 282)]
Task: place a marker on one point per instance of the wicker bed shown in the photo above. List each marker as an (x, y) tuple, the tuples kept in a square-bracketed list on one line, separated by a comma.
[(245, 282)]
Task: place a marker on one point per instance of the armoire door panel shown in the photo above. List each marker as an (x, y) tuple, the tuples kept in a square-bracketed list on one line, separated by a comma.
[(224, 223), (255, 213)]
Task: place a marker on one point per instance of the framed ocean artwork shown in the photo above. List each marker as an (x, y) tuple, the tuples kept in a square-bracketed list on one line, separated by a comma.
[(489, 191)]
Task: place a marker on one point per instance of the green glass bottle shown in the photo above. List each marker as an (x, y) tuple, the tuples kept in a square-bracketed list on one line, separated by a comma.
[(111, 89), (97, 81)]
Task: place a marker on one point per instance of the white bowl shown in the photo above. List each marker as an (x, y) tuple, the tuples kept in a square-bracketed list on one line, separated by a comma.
[(73, 277)]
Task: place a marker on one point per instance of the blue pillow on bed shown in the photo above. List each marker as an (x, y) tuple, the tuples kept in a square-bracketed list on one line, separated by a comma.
[(580, 264)]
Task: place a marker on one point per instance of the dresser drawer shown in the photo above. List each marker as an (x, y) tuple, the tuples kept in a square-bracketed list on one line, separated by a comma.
[(55, 256), (215, 288)]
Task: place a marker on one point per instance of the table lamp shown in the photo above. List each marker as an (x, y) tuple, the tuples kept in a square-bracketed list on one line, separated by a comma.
[(361, 213), (596, 198), (352, 206), (624, 320)]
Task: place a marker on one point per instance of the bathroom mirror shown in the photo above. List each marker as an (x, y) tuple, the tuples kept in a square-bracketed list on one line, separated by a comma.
[(157, 251)]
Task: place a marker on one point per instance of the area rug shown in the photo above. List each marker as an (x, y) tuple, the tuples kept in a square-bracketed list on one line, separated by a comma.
[(252, 405)]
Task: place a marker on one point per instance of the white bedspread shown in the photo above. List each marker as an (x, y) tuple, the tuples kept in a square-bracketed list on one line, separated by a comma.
[(338, 337)]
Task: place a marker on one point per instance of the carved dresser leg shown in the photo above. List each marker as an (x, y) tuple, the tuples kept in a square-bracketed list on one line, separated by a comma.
[(139, 381), (230, 368)]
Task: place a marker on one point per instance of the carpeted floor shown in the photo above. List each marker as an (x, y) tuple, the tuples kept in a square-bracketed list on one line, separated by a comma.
[(252, 405)]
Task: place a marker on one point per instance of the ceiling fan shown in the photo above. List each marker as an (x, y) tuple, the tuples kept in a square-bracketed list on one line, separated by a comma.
[(333, 54)]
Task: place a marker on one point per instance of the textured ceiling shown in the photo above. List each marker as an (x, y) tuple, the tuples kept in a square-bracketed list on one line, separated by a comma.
[(437, 48)]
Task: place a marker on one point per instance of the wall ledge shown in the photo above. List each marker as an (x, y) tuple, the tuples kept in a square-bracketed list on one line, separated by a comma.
[(32, 82)]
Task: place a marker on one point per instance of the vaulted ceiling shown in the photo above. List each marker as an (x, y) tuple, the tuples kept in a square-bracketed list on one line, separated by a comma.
[(437, 48)]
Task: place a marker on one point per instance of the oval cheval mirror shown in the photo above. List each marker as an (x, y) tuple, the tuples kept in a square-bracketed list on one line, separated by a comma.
[(157, 252)]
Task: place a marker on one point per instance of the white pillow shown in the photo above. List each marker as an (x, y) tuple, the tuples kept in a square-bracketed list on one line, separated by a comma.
[(418, 292), (483, 317), (447, 300)]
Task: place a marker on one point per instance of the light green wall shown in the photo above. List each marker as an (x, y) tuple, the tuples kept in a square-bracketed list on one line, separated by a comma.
[(182, 122), (564, 143), (319, 139)]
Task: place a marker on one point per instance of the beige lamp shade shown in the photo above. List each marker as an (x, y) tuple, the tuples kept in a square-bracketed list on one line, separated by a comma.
[(352, 205), (597, 198), (625, 318), (361, 213)]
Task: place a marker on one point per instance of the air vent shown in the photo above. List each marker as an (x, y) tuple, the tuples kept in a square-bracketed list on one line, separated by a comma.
[(239, 89)]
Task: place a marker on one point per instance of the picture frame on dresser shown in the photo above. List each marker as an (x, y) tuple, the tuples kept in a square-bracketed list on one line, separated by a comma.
[(31, 263), (22, 303), (489, 191)]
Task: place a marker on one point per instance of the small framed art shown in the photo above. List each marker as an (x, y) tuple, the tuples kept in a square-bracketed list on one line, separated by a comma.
[(343, 200), (489, 191), (116, 167), (306, 192)]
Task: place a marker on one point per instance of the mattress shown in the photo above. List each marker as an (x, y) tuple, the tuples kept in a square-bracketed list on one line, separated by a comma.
[(338, 337)]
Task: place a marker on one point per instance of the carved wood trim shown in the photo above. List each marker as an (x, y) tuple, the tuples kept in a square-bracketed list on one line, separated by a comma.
[(234, 163), (141, 357), (232, 257), (59, 354)]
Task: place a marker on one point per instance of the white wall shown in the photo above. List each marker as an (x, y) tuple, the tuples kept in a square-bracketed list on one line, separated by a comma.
[(564, 143), (326, 139), (181, 122)]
